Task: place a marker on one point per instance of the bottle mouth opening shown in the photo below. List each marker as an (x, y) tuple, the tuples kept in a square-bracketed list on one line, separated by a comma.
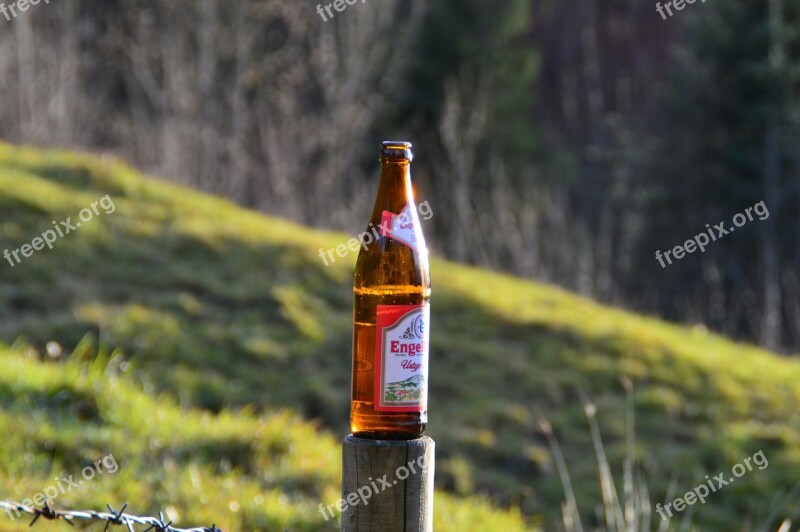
[(396, 150), (396, 145)]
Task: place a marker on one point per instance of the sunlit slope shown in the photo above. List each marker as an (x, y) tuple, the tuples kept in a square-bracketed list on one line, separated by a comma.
[(238, 470), (217, 307)]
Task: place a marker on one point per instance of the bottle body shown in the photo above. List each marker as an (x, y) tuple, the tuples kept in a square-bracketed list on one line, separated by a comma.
[(391, 311)]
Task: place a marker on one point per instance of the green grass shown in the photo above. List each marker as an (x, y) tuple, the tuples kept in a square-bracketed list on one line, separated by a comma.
[(239, 470), (228, 333)]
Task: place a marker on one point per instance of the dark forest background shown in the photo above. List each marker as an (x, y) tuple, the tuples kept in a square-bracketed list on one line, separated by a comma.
[(565, 141)]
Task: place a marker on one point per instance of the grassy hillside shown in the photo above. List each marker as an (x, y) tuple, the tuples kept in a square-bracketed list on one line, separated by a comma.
[(239, 470), (230, 318)]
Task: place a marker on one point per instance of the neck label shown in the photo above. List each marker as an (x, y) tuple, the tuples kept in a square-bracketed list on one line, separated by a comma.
[(400, 227)]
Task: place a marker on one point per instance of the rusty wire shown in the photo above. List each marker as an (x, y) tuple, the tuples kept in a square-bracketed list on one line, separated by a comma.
[(154, 524)]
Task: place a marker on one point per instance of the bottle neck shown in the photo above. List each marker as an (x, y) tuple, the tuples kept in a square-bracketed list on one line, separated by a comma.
[(394, 190)]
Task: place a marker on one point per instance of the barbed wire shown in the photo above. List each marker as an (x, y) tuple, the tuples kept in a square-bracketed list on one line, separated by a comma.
[(156, 524)]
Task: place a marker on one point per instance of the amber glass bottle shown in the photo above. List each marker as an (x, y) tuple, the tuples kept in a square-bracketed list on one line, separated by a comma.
[(390, 320)]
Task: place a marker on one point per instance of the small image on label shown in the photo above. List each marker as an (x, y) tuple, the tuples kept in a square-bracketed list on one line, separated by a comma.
[(401, 358)]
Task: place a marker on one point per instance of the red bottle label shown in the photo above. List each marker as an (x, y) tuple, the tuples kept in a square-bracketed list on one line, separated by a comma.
[(401, 358)]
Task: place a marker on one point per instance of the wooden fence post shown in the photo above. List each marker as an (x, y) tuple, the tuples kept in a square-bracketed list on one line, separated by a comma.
[(387, 485)]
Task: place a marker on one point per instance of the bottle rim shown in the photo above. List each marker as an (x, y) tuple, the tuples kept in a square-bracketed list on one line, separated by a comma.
[(397, 149), (396, 144)]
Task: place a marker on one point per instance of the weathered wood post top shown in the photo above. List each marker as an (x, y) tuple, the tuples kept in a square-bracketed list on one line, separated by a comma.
[(387, 485)]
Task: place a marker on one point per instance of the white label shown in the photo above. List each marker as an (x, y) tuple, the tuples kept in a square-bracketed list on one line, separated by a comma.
[(401, 376), (400, 227)]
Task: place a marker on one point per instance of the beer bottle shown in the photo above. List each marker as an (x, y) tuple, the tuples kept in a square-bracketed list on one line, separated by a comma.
[(391, 311)]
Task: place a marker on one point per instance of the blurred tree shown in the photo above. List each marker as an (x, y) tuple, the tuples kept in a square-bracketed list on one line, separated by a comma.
[(722, 152), (544, 139), (475, 79)]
